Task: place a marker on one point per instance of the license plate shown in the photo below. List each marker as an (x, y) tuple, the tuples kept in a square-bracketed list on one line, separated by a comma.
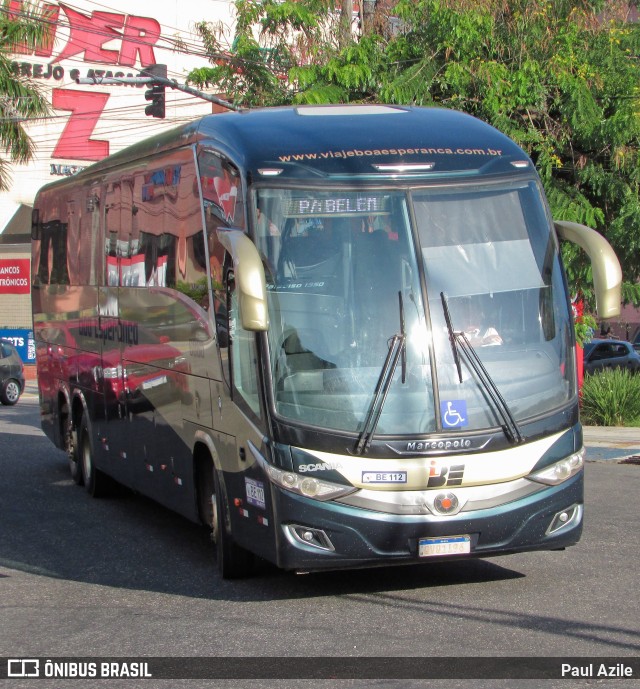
[(449, 545), (384, 477), (255, 493)]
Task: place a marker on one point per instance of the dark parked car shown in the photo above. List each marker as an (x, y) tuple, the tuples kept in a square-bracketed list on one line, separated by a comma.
[(11, 373), (601, 354)]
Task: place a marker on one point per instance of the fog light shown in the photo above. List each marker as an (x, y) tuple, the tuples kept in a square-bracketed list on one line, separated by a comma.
[(308, 536), (565, 519)]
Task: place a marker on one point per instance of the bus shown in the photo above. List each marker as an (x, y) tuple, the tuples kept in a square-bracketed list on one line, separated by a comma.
[(338, 336)]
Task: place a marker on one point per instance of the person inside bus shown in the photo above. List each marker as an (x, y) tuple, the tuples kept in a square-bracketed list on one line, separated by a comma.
[(475, 324), (266, 228), (268, 242)]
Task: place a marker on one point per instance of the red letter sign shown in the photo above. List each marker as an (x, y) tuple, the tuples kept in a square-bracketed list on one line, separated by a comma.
[(86, 108), (14, 276)]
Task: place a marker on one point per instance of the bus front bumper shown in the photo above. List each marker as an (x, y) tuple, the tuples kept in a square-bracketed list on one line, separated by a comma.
[(315, 535)]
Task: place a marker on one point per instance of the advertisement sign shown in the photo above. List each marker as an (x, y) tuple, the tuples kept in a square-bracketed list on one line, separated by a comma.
[(23, 341), (88, 41), (14, 276)]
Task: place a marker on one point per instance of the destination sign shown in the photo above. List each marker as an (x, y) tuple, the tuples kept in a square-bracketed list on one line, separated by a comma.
[(338, 206)]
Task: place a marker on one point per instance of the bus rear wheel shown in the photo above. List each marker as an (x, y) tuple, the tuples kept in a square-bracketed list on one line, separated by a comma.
[(96, 483), (70, 435), (233, 561)]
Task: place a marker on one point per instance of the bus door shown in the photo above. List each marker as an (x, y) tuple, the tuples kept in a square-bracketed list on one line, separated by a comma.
[(240, 418), (238, 415)]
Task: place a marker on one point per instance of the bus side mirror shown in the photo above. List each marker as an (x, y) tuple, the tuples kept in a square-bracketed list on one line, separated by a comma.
[(250, 282), (607, 274)]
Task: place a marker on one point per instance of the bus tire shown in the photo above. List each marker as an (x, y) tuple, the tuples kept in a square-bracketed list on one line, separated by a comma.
[(96, 482), (73, 452), (233, 561)]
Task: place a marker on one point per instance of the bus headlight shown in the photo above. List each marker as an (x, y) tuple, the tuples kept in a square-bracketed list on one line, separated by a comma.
[(560, 471), (315, 488)]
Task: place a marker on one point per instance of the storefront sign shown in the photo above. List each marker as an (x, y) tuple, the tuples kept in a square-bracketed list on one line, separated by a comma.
[(23, 341), (14, 276)]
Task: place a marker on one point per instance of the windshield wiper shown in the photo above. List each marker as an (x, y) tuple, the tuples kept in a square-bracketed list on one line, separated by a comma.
[(460, 343), (452, 335), (403, 351), (397, 350)]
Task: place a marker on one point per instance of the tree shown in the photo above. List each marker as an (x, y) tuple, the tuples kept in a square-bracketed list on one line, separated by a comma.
[(560, 77), (272, 39), (20, 98)]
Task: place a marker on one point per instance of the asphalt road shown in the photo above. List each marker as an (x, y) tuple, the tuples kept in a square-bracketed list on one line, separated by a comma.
[(87, 578)]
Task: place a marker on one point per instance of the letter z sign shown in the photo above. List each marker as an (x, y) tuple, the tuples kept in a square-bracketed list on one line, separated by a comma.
[(86, 108)]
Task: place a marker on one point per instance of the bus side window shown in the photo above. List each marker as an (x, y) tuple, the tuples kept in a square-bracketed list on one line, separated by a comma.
[(222, 324), (223, 289), (219, 266), (242, 354)]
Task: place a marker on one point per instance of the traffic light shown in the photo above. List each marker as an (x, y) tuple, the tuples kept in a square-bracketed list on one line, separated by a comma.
[(156, 95)]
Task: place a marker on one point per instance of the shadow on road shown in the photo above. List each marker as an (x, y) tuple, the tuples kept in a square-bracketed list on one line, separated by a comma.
[(50, 527), (54, 528)]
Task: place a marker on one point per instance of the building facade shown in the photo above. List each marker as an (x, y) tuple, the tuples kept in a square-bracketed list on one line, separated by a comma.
[(89, 121)]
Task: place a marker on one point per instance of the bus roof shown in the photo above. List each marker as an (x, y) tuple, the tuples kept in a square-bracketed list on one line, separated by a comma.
[(337, 141)]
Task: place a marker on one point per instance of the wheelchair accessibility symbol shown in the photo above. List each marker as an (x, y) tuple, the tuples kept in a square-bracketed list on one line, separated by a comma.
[(454, 413)]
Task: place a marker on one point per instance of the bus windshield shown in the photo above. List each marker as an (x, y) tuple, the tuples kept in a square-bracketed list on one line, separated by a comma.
[(348, 276)]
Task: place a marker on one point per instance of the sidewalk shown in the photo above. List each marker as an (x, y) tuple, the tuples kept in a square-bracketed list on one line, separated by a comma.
[(30, 387), (611, 443), (620, 436)]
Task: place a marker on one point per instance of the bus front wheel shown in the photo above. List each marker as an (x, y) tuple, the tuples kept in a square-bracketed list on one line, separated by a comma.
[(234, 562)]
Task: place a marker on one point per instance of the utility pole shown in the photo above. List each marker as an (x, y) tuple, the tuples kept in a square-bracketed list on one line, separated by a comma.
[(152, 75)]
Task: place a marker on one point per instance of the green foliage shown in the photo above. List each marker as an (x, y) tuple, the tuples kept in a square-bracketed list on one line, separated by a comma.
[(585, 326), (272, 41), (611, 398), (20, 98), (560, 77)]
